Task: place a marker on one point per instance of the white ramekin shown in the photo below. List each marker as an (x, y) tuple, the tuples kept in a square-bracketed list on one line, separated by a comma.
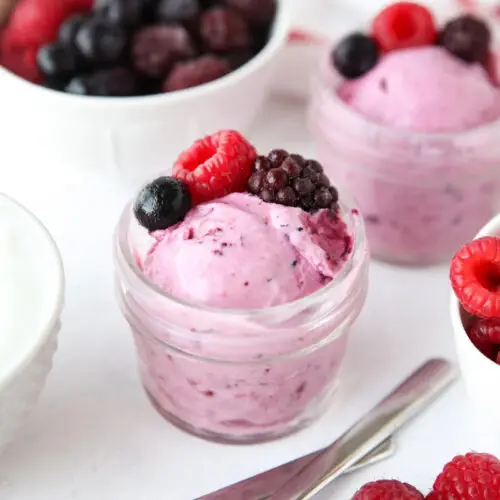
[(136, 136), (480, 374), (23, 376)]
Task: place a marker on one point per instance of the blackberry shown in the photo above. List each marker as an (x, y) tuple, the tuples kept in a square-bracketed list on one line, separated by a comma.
[(256, 11), (467, 38), (289, 179), (224, 30), (177, 11)]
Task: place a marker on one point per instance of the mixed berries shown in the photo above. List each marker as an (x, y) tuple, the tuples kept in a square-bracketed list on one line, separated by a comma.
[(159, 45), (475, 279), (466, 477), (224, 163), (404, 25)]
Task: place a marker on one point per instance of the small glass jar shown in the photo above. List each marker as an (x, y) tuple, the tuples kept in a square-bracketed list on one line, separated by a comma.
[(239, 376), (422, 195)]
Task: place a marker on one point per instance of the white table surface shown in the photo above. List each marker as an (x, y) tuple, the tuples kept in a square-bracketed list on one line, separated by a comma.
[(94, 436)]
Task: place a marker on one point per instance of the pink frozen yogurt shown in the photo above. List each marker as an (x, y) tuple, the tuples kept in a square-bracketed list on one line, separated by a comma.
[(417, 146), (287, 285), (239, 252), (424, 89)]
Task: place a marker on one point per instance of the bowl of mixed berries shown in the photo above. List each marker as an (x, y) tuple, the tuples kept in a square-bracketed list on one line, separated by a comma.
[(123, 83), (475, 314)]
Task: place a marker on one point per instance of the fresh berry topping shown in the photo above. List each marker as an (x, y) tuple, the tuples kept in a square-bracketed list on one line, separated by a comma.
[(256, 11), (162, 203), (403, 25), (224, 29), (277, 157), (262, 164), (355, 55), (470, 476), (101, 42), (156, 48), (467, 38), (388, 490), (58, 61), (70, 27), (291, 180), (475, 277), (195, 72), (216, 165), (238, 58), (114, 82), (177, 11), (127, 13), (485, 335), (36, 22)]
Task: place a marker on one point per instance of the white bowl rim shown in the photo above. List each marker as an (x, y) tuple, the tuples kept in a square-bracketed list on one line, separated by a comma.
[(491, 228), (16, 368), (278, 36)]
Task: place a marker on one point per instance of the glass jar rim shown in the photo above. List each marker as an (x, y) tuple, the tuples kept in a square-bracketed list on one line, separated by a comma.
[(321, 82), (124, 257)]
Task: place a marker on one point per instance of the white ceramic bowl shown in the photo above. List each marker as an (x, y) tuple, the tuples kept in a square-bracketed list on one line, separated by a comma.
[(481, 375), (29, 336), (136, 136)]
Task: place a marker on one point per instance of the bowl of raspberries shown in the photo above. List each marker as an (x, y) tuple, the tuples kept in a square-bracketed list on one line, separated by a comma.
[(123, 84), (475, 315)]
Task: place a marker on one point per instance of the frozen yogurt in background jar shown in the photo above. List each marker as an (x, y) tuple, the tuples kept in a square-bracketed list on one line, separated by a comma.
[(411, 129), (241, 309)]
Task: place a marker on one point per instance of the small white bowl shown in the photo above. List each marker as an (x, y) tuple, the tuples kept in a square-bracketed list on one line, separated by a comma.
[(480, 374), (29, 335), (134, 137)]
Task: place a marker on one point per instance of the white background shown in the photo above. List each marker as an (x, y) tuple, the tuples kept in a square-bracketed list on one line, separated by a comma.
[(94, 436)]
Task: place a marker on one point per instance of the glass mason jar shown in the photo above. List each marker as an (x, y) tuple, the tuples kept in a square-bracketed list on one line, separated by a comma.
[(422, 195), (239, 376)]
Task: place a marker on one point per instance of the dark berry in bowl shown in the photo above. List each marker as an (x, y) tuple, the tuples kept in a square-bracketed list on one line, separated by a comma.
[(195, 72), (126, 13), (70, 27), (224, 29), (255, 11), (355, 55), (162, 203), (293, 181), (467, 38), (113, 82), (58, 61), (177, 11), (238, 58), (156, 48), (101, 42)]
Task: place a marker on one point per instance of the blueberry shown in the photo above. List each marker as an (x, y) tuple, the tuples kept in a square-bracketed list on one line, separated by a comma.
[(70, 27), (114, 82), (58, 61), (176, 11), (126, 13), (355, 55), (162, 203), (101, 42), (467, 38)]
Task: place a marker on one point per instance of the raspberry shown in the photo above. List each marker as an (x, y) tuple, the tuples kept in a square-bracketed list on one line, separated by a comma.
[(467, 38), (291, 180), (216, 165), (36, 22), (156, 48), (388, 490), (192, 73), (475, 277), (403, 25), (256, 11), (21, 62), (224, 29), (468, 477)]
